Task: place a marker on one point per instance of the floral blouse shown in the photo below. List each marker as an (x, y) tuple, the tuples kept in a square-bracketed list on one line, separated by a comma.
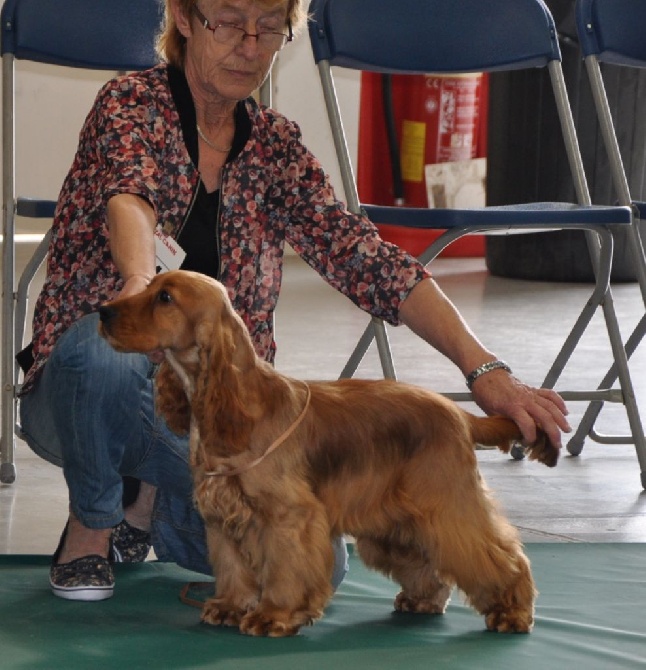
[(140, 138)]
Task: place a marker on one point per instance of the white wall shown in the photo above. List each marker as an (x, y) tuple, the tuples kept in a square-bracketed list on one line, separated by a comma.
[(51, 105), (297, 94), (52, 102)]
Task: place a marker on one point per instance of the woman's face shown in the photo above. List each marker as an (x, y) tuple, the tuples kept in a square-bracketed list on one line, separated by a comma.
[(230, 71)]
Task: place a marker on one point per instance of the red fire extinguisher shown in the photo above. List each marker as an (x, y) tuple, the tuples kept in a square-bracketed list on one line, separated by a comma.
[(432, 120)]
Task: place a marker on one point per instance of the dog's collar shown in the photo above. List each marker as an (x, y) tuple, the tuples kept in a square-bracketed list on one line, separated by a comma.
[(272, 447)]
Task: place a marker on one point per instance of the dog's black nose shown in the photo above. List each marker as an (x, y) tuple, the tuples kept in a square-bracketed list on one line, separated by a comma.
[(106, 313)]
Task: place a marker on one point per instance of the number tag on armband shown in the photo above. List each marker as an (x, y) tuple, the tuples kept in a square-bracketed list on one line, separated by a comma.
[(170, 255)]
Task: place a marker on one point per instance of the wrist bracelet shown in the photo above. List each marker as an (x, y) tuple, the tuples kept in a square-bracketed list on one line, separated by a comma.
[(484, 368)]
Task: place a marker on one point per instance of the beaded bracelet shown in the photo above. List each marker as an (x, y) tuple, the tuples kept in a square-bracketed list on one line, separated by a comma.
[(484, 368)]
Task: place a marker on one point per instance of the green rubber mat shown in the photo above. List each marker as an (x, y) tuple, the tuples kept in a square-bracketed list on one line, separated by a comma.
[(590, 614)]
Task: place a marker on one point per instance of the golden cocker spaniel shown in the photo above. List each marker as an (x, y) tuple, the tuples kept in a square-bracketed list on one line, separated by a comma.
[(281, 466)]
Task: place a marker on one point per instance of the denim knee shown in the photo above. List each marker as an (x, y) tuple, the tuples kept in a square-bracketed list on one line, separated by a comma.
[(341, 566), (85, 413)]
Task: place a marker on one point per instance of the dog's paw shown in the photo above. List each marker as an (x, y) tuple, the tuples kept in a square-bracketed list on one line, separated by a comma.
[(276, 623), (218, 613), (435, 605), (260, 624), (516, 621)]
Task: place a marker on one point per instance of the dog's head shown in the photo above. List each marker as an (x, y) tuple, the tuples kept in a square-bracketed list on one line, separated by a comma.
[(176, 311), (191, 316)]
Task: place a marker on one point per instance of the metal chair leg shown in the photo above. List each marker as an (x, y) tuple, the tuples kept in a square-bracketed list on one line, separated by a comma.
[(376, 329), (586, 426)]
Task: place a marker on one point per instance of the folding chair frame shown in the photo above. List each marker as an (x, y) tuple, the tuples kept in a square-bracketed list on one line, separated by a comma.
[(91, 36), (590, 30), (599, 237)]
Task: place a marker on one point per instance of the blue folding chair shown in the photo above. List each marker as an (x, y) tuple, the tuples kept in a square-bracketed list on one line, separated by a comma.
[(612, 32), (453, 36), (116, 35)]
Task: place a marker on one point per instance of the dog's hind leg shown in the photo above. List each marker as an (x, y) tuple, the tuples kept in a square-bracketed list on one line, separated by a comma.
[(506, 595), (510, 608), (423, 591), (481, 551)]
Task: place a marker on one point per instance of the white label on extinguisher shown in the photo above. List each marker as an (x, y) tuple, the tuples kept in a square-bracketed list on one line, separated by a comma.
[(458, 118)]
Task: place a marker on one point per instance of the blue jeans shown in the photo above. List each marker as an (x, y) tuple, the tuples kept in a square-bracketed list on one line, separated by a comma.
[(92, 412)]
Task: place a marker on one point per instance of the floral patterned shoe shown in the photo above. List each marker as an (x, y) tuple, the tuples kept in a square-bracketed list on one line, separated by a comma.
[(129, 544), (89, 578)]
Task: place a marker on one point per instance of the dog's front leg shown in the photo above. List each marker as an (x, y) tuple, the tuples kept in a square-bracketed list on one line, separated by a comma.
[(294, 563), (236, 589)]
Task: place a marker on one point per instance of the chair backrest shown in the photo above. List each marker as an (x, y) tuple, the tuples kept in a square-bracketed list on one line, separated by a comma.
[(416, 36), (613, 30), (93, 34)]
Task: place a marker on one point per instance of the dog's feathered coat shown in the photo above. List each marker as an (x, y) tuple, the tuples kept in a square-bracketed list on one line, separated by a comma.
[(389, 463)]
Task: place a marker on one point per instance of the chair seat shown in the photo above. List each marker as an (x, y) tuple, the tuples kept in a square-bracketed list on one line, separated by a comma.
[(641, 208), (36, 209), (540, 214)]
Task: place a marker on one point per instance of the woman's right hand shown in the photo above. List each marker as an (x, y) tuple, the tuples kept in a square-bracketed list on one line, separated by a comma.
[(134, 284)]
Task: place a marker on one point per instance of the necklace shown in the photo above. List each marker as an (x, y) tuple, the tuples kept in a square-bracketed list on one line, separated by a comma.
[(208, 141)]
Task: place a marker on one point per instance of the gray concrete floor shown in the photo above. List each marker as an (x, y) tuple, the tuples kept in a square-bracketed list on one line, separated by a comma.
[(595, 497)]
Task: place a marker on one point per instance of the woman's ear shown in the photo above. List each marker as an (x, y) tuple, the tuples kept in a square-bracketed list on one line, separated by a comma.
[(182, 21)]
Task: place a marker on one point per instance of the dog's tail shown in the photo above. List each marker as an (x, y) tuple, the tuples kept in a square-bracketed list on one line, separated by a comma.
[(498, 431)]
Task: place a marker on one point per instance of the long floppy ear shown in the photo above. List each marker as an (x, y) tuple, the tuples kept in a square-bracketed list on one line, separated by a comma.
[(225, 354), (171, 400)]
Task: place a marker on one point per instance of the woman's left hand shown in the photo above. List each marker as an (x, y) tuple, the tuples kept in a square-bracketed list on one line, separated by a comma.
[(498, 392)]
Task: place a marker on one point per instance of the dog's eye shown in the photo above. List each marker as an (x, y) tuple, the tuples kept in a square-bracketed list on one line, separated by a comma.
[(164, 296)]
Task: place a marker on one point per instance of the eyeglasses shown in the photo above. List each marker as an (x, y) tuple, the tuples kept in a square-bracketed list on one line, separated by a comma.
[(228, 33)]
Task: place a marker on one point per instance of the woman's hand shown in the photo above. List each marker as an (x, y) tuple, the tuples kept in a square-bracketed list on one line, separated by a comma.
[(498, 392), (133, 284), (430, 314)]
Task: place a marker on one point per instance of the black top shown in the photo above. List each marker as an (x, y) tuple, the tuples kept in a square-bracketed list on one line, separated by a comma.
[(198, 237)]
